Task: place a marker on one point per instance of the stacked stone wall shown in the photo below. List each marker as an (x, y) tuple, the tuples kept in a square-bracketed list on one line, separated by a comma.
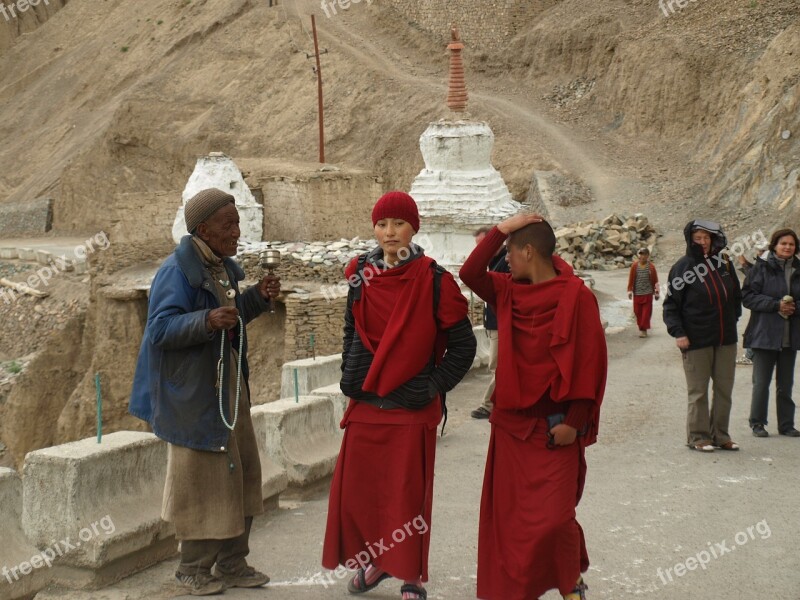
[(317, 315), (319, 205)]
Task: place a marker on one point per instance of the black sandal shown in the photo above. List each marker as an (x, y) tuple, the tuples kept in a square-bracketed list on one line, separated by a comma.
[(358, 584), (579, 593), (414, 589)]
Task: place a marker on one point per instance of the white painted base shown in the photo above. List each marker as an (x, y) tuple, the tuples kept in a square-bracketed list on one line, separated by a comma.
[(219, 171), (459, 190)]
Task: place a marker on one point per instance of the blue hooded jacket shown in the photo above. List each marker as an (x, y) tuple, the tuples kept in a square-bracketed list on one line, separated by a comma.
[(174, 385)]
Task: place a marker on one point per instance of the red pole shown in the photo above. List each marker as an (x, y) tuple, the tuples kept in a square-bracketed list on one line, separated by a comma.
[(319, 94)]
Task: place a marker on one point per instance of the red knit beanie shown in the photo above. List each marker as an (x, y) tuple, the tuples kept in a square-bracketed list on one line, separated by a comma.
[(396, 205)]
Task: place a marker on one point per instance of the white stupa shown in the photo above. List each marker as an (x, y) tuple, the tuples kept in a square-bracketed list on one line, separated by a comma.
[(219, 171), (458, 190)]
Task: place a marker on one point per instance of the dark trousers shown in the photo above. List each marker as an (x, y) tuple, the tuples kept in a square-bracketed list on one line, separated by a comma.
[(764, 362), (198, 556)]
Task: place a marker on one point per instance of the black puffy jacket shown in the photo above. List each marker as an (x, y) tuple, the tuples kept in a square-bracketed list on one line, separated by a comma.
[(703, 300), (763, 289)]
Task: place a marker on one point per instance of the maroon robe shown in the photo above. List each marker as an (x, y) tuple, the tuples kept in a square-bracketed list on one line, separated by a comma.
[(382, 490), (551, 359)]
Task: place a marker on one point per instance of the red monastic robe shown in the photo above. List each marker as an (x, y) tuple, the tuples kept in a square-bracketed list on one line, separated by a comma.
[(551, 359), (382, 490)]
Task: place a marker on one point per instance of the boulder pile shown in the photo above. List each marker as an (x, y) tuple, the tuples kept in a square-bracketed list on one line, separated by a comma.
[(605, 245)]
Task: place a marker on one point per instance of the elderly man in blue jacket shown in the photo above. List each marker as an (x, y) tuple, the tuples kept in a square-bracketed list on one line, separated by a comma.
[(191, 386)]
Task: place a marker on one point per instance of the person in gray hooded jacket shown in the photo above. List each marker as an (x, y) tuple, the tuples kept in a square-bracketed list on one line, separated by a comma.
[(770, 291)]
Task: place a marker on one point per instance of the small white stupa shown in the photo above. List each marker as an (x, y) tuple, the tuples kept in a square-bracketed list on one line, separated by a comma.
[(458, 190), (219, 171)]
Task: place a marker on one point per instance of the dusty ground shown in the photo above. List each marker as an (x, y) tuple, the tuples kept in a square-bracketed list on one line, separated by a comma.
[(650, 503)]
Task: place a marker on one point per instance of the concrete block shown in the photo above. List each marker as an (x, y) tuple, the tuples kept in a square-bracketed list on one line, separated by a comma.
[(9, 253), (301, 437), (43, 257), (311, 374), (15, 550), (483, 345), (26, 254), (274, 479), (103, 499), (337, 399)]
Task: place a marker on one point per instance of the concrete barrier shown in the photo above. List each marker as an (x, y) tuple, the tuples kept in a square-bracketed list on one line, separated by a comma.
[(337, 399), (311, 374), (301, 437), (23, 570), (100, 505), (482, 353), (28, 254), (274, 479)]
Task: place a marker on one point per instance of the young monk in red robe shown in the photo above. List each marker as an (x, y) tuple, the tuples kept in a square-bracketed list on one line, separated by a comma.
[(407, 341), (551, 375)]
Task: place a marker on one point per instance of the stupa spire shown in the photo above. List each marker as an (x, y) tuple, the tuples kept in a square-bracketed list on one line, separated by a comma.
[(457, 90)]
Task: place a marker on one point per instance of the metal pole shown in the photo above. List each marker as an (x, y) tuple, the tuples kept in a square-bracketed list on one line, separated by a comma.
[(319, 94)]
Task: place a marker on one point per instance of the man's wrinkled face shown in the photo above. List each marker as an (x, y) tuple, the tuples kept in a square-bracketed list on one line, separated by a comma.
[(221, 231)]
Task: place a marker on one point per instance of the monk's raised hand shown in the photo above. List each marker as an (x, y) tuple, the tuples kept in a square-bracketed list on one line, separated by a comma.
[(519, 221), (222, 318)]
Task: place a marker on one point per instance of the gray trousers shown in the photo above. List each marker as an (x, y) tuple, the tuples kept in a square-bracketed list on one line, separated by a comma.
[(716, 364), (198, 556), (487, 397), (764, 363)]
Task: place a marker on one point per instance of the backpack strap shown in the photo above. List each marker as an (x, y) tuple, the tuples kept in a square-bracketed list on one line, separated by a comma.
[(438, 271), (354, 293)]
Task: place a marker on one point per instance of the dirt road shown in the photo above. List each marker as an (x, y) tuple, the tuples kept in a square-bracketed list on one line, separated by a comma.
[(650, 503)]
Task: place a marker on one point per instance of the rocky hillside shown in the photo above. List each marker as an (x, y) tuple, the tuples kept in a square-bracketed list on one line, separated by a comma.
[(103, 98), (673, 113)]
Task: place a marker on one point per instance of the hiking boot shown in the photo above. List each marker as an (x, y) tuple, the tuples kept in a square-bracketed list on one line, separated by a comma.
[(247, 577), (200, 584), (759, 431), (480, 413)]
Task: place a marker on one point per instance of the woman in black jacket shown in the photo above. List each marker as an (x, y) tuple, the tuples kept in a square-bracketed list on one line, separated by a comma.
[(770, 291), (701, 308)]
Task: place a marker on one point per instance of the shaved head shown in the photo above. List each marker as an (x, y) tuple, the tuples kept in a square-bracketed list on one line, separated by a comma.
[(539, 235)]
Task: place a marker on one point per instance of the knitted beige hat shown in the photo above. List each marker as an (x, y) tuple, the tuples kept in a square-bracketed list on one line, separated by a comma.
[(204, 204)]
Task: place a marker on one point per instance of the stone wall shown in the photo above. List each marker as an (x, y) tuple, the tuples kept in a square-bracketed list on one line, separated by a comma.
[(334, 203), (29, 218), (486, 25), (314, 314), (137, 217)]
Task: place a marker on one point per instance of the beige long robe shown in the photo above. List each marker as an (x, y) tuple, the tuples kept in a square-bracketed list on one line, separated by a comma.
[(203, 497)]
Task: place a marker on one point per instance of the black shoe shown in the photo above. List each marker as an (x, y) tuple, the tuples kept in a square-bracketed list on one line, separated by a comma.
[(759, 431), (791, 432), (480, 413)]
